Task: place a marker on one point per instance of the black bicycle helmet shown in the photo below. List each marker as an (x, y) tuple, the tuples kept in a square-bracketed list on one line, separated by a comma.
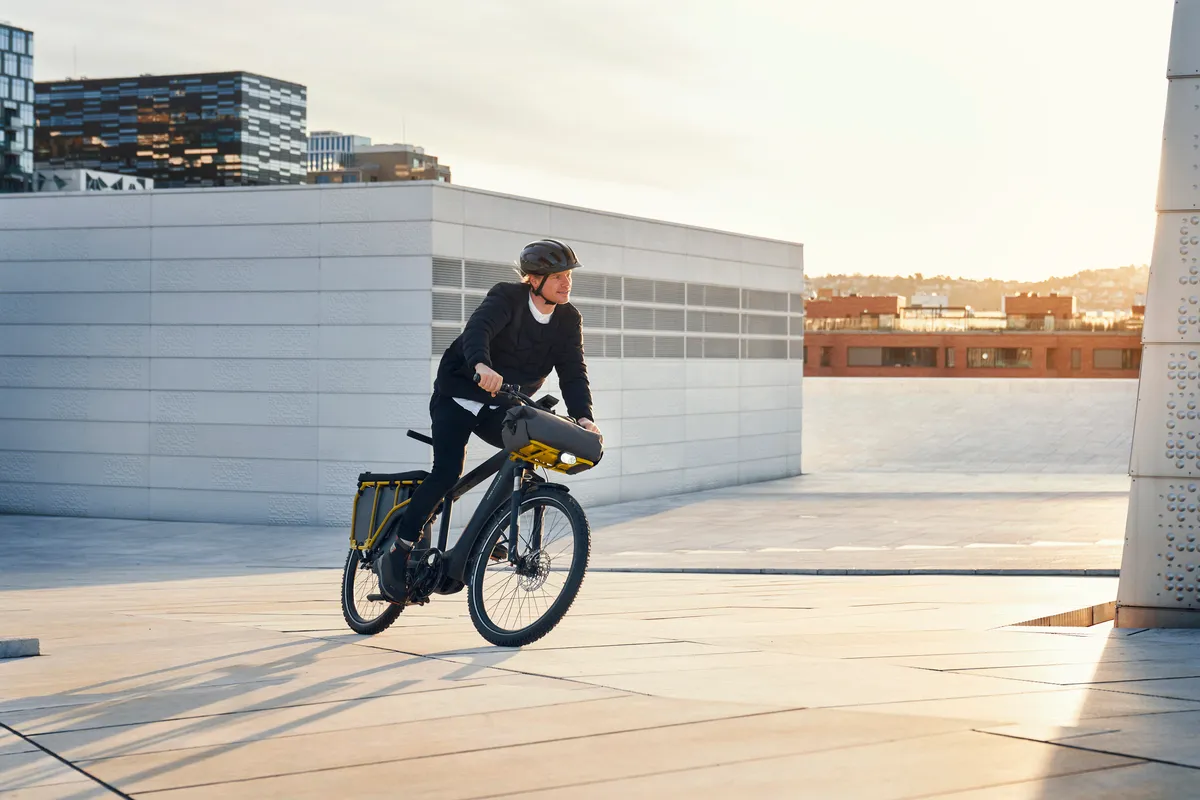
[(546, 257)]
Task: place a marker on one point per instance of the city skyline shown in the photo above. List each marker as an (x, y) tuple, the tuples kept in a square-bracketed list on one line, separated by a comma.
[(924, 138)]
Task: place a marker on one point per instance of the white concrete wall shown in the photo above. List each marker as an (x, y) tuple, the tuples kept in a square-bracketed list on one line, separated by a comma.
[(968, 425), (241, 355)]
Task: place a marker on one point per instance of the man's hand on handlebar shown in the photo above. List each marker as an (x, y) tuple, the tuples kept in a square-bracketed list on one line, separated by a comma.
[(588, 425), (488, 379)]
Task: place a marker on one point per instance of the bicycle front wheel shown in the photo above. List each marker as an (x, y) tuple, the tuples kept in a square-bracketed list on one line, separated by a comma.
[(514, 604)]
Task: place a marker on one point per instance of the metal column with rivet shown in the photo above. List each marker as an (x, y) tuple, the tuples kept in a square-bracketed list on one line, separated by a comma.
[(1160, 567)]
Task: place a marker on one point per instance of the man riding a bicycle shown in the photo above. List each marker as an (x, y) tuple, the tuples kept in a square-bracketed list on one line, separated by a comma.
[(517, 335)]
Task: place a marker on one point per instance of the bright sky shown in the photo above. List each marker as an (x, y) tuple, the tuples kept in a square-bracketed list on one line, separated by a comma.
[(1015, 139)]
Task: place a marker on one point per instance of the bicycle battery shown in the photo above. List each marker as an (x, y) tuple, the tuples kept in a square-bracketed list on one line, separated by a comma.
[(550, 441), (379, 498)]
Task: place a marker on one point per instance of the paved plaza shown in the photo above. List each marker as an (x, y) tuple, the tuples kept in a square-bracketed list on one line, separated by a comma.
[(194, 660)]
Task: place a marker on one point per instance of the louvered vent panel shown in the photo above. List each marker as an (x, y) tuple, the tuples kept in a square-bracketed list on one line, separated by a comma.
[(767, 348), (721, 322), (639, 346), (447, 307), (447, 272), (670, 292), (470, 303), (761, 324), (668, 347), (587, 284), (797, 303), (796, 326), (639, 319), (695, 347), (668, 319), (612, 345), (720, 348), (721, 297), (592, 313), (639, 290), (612, 317), (485, 275), (760, 300)]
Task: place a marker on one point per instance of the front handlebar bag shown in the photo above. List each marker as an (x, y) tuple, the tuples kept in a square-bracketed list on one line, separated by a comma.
[(545, 438)]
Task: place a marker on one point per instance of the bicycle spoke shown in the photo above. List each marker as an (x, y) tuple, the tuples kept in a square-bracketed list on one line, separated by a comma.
[(516, 597)]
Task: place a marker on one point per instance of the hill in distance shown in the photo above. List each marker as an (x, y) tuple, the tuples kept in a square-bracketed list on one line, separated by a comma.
[(1096, 289)]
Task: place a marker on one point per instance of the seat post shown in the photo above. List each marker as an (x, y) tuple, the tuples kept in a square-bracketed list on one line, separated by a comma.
[(444, 527)]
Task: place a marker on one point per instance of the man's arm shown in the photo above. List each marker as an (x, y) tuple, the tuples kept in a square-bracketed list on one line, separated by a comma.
[(572, 373), (492, 315)]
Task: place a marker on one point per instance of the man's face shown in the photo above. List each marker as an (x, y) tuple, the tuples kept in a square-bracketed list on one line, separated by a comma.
[(557, 288)]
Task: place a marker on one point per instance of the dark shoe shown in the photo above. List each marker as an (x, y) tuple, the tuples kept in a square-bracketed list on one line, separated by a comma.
[(499, 552), (392, 568)]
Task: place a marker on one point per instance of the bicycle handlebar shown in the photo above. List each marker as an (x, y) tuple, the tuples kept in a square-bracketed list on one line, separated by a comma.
[(512, 390)]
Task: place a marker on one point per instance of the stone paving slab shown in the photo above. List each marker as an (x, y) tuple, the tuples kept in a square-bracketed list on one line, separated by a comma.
[(1142, 781), (653, 686), (828, 522), (911, 767)]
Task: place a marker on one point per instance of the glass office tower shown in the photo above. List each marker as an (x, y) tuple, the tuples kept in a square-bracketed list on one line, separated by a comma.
[(16, 109), (215, 129)]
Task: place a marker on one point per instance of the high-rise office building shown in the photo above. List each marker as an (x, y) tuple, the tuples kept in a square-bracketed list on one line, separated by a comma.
[(214, 129), (16, 109)]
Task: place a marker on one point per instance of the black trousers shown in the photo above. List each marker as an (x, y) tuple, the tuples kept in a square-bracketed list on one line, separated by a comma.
[(452, 429)]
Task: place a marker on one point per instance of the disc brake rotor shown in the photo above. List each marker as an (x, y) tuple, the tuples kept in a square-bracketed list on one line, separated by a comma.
[(536, 569)]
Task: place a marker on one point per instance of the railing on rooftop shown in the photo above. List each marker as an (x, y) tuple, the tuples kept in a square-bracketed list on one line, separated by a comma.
[(981, 324)]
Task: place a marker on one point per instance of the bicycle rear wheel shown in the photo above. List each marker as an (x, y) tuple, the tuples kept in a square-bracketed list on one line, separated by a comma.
[(514, 605)]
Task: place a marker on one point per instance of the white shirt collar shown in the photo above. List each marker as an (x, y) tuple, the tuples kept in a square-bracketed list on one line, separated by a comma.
[(538, 315)]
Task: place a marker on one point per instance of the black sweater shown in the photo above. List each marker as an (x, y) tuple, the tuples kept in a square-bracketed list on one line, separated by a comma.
[(503, 335)]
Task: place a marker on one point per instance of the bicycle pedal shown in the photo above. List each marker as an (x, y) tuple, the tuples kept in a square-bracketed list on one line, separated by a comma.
[(378, 598)]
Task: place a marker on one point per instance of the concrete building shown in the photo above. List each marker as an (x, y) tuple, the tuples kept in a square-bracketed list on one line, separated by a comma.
[(210, 129), (382, 163), (16, 109), (243, 354)]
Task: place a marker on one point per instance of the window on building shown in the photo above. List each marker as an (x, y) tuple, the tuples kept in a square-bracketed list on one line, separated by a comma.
[(999, 357), (18, 41), (949, 358), (1051, 355), (1076, 359), (4, 45), (891, 356), (3, 88), (1127, 359), (26, 67), (10, 64), (826, 356)]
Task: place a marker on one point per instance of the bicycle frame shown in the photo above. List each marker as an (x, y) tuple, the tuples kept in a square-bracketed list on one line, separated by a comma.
[(513, 476), (508, 485)]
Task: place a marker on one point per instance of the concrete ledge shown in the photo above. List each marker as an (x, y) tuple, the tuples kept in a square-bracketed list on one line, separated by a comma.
[(19, 648), (1026, 573)]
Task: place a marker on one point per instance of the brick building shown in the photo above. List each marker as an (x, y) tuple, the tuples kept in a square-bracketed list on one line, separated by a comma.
[(1036, 337)]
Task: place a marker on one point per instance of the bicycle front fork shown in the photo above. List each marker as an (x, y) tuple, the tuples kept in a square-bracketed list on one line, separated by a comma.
[(514, 516)]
